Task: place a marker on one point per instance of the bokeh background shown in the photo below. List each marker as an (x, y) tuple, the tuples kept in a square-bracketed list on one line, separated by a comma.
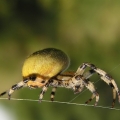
[(87, 30)]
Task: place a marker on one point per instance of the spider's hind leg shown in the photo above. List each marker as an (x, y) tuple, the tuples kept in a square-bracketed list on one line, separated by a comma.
[(114, 87), (106, 78)]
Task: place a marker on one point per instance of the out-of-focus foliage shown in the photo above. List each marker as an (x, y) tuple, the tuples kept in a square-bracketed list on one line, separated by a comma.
[(87, 30)]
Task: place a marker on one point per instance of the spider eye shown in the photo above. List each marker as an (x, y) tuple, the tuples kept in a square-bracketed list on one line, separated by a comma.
[(32, 78)]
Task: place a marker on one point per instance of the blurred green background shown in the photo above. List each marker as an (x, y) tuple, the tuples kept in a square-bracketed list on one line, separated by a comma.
[(87, 30)]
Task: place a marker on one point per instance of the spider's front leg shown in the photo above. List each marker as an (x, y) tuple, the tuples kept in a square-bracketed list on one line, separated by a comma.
[(14, 87)]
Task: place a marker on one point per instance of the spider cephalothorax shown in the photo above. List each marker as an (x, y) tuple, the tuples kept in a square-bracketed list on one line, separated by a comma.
[(46, 68)]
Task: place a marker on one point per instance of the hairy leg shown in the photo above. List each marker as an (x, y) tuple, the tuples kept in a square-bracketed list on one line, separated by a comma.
[(104, 76), (14, 87), (53, 93), (44, 89)]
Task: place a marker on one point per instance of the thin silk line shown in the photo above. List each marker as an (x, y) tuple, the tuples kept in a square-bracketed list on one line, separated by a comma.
[(78, 104)]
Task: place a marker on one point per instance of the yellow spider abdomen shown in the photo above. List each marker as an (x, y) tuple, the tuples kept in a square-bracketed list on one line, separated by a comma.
[(47, 63)]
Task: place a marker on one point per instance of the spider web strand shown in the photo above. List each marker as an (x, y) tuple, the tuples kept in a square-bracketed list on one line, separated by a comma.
[(48, 101)]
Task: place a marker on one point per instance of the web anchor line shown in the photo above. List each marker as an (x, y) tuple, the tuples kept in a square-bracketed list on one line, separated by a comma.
[(69, 103)]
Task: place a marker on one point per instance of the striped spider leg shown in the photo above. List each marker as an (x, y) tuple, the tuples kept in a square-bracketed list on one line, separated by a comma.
[(14, 87), (105, 77)]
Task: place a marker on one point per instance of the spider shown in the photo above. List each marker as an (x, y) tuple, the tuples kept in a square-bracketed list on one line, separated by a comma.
[(46, 68)]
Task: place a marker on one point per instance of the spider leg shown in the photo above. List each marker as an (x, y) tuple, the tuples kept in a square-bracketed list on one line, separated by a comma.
[(86, 76), (44, 89), (89, 85), (80, 80), (53, 93), (109, 82), (105, 77), (14, 87)]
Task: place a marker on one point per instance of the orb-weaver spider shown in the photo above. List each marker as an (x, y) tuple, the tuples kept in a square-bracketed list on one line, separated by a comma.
[(46, 68)]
